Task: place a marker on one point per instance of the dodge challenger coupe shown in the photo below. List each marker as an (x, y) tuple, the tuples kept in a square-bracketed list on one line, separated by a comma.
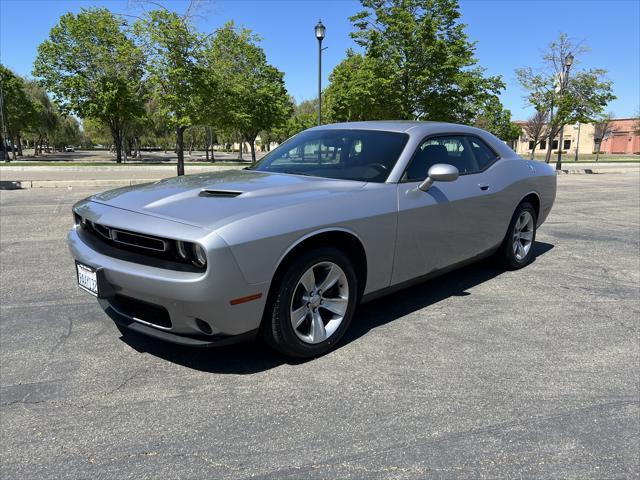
[(287, 248)]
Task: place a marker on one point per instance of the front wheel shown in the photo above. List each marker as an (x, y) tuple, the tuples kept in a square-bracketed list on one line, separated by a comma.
[(312, 305), (517, 248)]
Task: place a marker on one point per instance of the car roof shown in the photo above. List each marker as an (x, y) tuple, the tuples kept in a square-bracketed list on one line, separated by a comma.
[(403, 126)]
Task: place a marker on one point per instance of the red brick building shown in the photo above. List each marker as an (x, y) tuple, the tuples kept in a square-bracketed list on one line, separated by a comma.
[(624, 138)]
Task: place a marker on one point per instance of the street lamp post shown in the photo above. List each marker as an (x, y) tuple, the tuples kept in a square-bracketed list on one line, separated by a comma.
[(577, 143), (568, 61), (319, 30)]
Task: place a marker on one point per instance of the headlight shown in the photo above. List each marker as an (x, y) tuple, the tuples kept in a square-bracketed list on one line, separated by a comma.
[(191, 253), (199, 255), (181, 248)]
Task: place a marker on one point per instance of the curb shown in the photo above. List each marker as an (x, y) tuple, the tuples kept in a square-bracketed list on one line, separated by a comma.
[(598, 171), (112, 168), (83, 183)]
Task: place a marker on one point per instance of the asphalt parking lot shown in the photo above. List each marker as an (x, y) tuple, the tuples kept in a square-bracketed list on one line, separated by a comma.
[(478, 374)]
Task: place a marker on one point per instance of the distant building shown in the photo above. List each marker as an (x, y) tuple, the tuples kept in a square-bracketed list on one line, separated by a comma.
[(624, 139)]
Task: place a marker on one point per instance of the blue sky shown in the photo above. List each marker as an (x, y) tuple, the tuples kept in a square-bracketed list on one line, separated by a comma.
[(509, 34)]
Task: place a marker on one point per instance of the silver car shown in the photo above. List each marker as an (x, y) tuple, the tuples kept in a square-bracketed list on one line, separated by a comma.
[(286, 249)]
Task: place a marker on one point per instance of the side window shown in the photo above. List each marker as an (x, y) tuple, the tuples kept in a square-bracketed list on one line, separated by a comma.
[(484, 155), (453, 150)]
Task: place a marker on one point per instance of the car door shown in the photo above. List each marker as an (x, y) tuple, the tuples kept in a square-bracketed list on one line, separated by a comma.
[(452, 221)]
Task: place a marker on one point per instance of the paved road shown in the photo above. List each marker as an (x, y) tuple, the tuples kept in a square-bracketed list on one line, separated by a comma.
[(480, 374)]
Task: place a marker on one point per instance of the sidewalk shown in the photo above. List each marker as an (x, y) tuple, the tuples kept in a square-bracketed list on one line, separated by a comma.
[(599, 168), (122, 175), (117, 175)]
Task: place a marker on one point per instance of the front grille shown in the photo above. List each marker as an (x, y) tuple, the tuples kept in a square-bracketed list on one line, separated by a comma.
[(139, 241), (140, 310), (126, 238), (145, 249)]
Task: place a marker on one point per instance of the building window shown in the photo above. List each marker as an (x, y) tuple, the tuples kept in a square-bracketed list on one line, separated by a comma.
[(530, 144), (543, 145), (566, 144), (554, 145)]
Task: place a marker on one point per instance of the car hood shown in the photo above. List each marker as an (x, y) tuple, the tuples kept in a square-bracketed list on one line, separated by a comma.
[(210, 200)]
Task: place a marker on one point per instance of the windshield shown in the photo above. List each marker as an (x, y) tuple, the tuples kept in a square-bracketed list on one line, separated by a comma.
[(363, 155)]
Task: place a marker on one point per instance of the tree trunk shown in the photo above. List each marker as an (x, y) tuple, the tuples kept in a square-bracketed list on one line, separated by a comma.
[(19, 144), (552, 134), (598, 151), (180, 149), (252, 144), (240, 150), (560, 141), (533, 151), (3, 146), (115, 133), (547, 158), (138, 151)]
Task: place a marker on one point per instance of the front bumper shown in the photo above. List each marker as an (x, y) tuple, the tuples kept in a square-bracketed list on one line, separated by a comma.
[(199, 341), (186, 298)]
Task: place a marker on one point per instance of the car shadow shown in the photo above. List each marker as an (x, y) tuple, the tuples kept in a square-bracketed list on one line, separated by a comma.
[(404, 302), (253, 357)]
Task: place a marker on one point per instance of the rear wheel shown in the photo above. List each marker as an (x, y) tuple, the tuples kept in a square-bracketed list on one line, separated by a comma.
[(312, 305), (517, 248)]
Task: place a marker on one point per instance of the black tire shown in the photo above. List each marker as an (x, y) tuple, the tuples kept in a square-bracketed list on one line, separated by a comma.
[(506, 255), (276, 328)]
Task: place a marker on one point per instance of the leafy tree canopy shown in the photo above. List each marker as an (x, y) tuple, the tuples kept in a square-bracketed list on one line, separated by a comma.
[(253, 97), (569, 93), (417, 64), (92, 68)]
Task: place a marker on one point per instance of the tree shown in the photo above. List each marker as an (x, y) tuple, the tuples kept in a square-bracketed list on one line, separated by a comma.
[(304, 116), (497, 120), (93, 69), (535, 129), (362, 88), (603, 129), (569, 95), (18, 110), (67, 132), (46, 117), (420, 61), (253, 97), (95, 133), (174, 51)]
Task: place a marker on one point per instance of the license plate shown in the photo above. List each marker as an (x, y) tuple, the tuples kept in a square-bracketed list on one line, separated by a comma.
[(87, 279)]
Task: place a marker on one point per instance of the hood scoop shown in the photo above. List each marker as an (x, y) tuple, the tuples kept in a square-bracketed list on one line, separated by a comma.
[(208, 192)]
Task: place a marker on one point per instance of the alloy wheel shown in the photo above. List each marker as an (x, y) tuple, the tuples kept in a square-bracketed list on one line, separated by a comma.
[(523, 231), (319, 302)]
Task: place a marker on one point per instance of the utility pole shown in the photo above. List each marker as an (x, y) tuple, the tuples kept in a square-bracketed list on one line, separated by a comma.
[(564, 81), (577, 143), (5, 152)]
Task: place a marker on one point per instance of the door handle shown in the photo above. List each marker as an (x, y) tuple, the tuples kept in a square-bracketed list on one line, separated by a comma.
[(483, 186)]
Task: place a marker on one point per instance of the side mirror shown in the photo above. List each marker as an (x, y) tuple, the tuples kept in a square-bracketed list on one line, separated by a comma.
[(440, 172)]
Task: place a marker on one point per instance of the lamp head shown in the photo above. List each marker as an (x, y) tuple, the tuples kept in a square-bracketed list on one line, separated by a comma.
[(320, 29), (568, 61)]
